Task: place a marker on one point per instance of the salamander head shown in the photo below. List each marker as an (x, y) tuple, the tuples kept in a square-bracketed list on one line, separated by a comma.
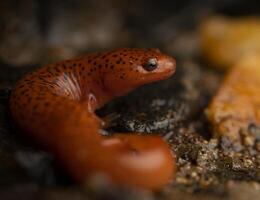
[(136, 67)]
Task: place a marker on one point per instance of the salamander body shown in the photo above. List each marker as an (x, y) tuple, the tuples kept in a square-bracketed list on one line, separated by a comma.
[(55, 107)]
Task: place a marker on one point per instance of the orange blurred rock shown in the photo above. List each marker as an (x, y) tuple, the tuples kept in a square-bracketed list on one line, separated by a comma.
[(225, 40), (236, 105)]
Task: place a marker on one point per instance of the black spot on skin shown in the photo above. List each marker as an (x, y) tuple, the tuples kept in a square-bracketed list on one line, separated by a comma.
[(35, 107), (80, 64), (29, 99), (99, 66), (119, 61), (94, 63), (24, 91), (56, 74), (28, 80), (112, 66), (115, 55), (107, 60), (74, 65)]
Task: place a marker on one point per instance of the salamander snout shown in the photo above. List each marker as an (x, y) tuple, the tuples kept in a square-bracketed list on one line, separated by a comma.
[(167, 66), (157, 67), (142, 66)]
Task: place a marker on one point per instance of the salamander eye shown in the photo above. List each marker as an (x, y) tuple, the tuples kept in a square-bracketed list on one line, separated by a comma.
[(151, 64)]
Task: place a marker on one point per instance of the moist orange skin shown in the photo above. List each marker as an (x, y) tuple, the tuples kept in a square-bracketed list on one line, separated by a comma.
[(55, 107)]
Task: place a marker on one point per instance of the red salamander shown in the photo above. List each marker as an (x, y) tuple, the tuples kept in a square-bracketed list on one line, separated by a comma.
[(55, 107)]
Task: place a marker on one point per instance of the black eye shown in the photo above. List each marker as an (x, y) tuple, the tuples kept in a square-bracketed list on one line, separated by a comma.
[(151, 64)]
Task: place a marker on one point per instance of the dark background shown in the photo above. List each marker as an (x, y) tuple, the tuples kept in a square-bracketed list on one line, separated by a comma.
[(34, 31)]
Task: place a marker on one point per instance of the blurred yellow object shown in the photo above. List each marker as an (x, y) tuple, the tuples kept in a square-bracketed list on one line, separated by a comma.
[(225, 40), (236, 105)]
